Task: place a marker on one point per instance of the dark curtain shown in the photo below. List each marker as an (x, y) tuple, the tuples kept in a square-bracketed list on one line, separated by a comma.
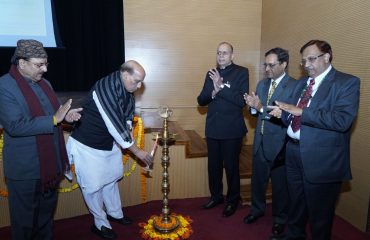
[(92, 36)]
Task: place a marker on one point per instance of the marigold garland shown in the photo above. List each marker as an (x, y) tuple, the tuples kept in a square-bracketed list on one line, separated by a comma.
[(138, 135), (2, 192), (183, 231), (68, 189)]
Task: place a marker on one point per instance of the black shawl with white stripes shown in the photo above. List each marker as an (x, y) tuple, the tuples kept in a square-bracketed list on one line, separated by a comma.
[(117, 103)]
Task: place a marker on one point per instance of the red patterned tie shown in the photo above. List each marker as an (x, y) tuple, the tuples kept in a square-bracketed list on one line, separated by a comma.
[(296, 122)]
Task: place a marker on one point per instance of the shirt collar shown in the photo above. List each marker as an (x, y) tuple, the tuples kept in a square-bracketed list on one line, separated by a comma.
[(321, 77), (278, 80)]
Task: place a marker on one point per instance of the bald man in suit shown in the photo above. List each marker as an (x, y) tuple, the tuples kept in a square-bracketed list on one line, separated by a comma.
[(222, 92)]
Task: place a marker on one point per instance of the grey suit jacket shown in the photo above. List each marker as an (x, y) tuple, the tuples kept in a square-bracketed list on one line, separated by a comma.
[(20, 154), (274, 131), (326, 127)]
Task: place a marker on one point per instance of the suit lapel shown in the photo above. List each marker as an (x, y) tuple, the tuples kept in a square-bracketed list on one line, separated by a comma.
[(280, 88), (265, 90), (323, 89)]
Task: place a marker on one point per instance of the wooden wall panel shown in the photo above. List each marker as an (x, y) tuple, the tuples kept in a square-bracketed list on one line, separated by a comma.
[(345, 25), (176, 41)]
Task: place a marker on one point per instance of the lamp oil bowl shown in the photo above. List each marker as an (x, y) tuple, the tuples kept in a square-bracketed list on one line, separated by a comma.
[(164, 112)]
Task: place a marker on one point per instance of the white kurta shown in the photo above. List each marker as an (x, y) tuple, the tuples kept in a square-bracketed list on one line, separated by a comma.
[(96, 168)]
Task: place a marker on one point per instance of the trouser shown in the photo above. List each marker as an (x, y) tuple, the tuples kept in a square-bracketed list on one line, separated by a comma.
[(310, 202), (31, 211), (104, 201), (224, 153), (262, 170)]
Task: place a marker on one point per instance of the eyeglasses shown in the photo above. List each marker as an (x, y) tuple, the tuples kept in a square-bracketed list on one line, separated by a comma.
[(38, 65), (270, 65), (311, 59), (219, 53)]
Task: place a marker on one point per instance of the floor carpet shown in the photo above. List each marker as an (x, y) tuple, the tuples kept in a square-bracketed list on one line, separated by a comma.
[(207, 224)]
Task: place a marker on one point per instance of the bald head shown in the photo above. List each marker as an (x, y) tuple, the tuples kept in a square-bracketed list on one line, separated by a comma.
[(133, 67), (224, 55), (133, 75)]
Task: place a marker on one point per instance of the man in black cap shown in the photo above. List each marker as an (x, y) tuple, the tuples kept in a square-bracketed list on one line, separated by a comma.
[(34, 150)]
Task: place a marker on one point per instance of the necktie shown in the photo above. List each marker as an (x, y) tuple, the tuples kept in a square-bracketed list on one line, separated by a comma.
[(272, 90), (296, 122)]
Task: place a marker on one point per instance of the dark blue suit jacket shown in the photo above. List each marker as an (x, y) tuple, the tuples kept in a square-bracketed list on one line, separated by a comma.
[(274, 131), (225, 119), (326, 127)]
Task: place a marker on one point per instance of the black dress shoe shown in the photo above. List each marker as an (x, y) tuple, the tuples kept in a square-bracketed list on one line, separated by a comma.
[(229, 210), (250, 219), (212, 204), (124, 221), (104, 232), (277, 229)]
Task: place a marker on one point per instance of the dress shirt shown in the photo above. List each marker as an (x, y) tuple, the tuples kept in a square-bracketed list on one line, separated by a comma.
[(318, 81), (277, 81)]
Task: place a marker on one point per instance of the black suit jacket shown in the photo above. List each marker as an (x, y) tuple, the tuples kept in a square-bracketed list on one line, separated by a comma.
[(225, 118)]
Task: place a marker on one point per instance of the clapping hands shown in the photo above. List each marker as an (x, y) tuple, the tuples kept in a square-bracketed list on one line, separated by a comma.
[(253, 101), (64, 112)]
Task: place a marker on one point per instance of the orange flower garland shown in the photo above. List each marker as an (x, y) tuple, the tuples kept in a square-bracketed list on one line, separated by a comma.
[(2, 192), (139, 135), (183, 231)]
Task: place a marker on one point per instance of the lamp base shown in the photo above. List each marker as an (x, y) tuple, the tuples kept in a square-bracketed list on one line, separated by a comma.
[(165, 226)]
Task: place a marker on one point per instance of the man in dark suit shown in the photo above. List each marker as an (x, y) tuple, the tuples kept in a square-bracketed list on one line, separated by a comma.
[(269, 141), (34, 150), (318, 149), (223, 91)]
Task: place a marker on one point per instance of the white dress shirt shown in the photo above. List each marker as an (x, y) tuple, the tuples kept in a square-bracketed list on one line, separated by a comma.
[(315, 87)]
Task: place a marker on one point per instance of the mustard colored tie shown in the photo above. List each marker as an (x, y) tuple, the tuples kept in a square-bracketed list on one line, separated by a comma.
[(272, 90)]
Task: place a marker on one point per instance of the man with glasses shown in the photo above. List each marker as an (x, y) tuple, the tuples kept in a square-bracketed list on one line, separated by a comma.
[(269, 141), (34, 151), (225, 127), (324, 107)]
